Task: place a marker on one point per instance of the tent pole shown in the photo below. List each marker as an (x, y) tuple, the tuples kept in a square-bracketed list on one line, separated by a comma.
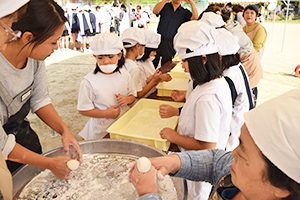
[(286, 18)]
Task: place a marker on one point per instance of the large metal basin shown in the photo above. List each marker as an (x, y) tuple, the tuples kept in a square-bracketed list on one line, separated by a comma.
[(106, 146)]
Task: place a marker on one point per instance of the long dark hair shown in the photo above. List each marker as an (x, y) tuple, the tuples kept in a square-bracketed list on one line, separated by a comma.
[(146, 53), (280, 180), (201, 73), (42, 19), (230, 60), (120, 64)]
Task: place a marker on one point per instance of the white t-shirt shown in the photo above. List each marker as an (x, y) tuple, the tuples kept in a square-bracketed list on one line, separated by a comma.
[(135, 73), (241, 104), (146, 70), (207, 113), (97, 91)]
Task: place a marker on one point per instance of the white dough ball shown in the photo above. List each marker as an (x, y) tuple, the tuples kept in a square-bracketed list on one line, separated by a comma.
[(143, 164), (73, 164)]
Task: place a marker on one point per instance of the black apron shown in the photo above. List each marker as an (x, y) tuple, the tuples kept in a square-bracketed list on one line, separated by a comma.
[(18, 108)]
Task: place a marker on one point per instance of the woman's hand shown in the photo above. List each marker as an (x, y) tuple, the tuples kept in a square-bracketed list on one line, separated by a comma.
[(72, 146), (178, 95), (166, 164), (144, 183), (58, 166), (113, 112), (166, 111), (168, 134)]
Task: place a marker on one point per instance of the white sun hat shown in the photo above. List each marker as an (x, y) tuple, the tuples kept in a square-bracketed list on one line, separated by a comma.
[(106, 44), (227, 43), (213, 19), (9, 6), (132, 36), (153, 39), (274, 127), (195, 38)]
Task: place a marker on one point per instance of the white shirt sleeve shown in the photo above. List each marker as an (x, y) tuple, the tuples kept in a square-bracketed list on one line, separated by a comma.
[(86, 96), (135, 74), (208, 115)]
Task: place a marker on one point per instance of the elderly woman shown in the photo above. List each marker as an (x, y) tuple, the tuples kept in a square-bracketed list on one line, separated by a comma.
[(264, 166), (255, 31)]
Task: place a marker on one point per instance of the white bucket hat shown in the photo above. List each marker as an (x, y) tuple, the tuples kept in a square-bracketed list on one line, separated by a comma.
[(274, 127), (106, 44), (132, 36), (195, 38), (153, 39), (9, 6), (212, 19), (227, 43)]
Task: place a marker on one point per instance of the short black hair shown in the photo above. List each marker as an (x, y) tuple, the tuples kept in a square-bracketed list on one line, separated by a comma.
[(201, 73), (146, 53), (121, 62), (229, 61), (280, 180)]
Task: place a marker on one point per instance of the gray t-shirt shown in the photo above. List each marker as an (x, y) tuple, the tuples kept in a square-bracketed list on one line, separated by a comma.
[(16, 81)]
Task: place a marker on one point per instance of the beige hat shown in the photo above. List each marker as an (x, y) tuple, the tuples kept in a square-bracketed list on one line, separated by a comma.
[(106, 44), (227, 43), (195, 38), (153, 39), (274, 126), (9, 6), (212, 19), (132, 36)]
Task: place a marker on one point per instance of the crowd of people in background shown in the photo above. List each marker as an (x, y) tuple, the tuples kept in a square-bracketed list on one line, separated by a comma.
[(85, 22)]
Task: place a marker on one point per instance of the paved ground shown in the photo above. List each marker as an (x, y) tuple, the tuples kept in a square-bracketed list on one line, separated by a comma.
[(65, 70)]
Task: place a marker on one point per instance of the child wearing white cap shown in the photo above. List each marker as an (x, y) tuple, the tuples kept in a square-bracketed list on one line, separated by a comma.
[(238, 81), (106, 92), (147, 69), (134, 41), (204, 121)]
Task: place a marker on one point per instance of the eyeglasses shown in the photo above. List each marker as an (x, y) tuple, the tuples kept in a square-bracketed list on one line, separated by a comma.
[(11, 34)]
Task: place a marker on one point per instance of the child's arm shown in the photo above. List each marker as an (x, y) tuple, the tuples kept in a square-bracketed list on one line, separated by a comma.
[(165, 77), (166, 111), (187, 143), (125, 100), (153, 82), (178, 95), (112, 112)]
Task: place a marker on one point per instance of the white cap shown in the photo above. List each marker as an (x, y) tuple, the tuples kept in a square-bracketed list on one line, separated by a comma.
[(86, 7), (106, 44), (227, 43), (212, 19), (200, 38), (153, 39), (132, 36), (9, 6), (274, 127)]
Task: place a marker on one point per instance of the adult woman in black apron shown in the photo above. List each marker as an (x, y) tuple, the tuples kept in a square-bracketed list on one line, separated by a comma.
[(23, 87)]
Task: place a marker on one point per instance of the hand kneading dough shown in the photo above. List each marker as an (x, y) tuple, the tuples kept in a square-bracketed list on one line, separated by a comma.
[(143, 164), (73, 164)]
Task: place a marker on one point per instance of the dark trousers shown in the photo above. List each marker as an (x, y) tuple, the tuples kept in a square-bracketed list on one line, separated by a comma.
[(255, 93), (165, 51)]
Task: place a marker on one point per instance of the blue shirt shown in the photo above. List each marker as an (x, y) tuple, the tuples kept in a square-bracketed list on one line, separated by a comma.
[(170, 21), (208, 165)]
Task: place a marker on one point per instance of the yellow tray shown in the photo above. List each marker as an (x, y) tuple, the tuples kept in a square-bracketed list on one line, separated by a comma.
[(165, 88), (142, 123)]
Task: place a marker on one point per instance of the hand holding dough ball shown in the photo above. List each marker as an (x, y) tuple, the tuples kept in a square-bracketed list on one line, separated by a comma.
[(143, 164), (73, 164)]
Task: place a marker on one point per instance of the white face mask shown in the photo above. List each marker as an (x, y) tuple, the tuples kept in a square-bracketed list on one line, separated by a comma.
[(151, 58), (108, 68), (139, 56), (188, 75)]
